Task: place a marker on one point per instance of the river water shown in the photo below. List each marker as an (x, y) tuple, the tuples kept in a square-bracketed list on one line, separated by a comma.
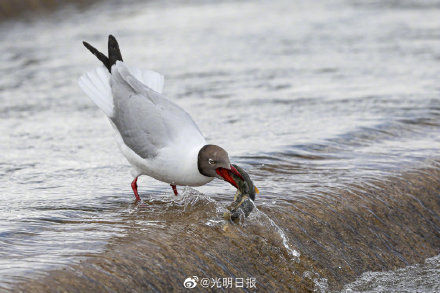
[(332, 107)]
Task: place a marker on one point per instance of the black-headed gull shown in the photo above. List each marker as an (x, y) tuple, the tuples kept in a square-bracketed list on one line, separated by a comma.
[(158, 138)]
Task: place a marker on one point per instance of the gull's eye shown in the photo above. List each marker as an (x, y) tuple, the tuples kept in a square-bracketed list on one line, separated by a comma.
[(211, 161)]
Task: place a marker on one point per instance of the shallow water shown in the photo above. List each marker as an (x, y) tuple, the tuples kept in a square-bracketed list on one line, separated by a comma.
[(331, 106)]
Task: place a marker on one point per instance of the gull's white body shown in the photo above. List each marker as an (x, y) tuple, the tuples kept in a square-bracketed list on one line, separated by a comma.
[(158, 138)]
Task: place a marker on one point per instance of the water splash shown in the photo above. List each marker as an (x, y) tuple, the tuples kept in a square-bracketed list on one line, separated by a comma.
[(262, 218)]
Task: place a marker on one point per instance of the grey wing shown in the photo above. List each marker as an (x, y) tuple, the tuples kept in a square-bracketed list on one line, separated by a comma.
[(145, 119), (140, 126)]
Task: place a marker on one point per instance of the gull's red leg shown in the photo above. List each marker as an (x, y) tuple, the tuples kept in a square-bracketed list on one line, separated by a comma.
[(134, 186), (174, 189)]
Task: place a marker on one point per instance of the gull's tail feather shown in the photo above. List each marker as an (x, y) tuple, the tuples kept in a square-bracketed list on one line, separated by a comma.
[(96, 84), (114, 54)]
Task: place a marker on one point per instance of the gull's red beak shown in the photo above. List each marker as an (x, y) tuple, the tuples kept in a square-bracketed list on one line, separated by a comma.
[(226, 174)]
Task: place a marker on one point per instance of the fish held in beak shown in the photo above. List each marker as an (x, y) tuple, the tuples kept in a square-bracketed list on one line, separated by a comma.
[(243, 203)]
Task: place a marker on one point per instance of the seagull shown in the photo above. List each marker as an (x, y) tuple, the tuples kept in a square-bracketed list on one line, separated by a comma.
[(157, 137)]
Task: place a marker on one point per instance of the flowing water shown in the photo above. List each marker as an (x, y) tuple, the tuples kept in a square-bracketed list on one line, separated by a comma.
[(332, 107)]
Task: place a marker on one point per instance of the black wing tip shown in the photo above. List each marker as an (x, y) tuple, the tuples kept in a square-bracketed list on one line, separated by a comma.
[(92, 49), (98, 55), (112, 43), (87, 45), (114, 54)]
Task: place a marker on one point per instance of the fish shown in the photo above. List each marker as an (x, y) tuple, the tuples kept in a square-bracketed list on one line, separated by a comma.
[(244, 198)]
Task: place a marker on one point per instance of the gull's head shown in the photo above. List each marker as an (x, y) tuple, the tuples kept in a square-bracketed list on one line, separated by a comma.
[(213, 161)]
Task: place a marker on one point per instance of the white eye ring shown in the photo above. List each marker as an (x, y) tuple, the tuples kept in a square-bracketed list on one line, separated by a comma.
[(211, 162)]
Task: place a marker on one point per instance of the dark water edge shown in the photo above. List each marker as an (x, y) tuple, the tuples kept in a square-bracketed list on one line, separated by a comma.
[(10, 9), (381, 224)]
